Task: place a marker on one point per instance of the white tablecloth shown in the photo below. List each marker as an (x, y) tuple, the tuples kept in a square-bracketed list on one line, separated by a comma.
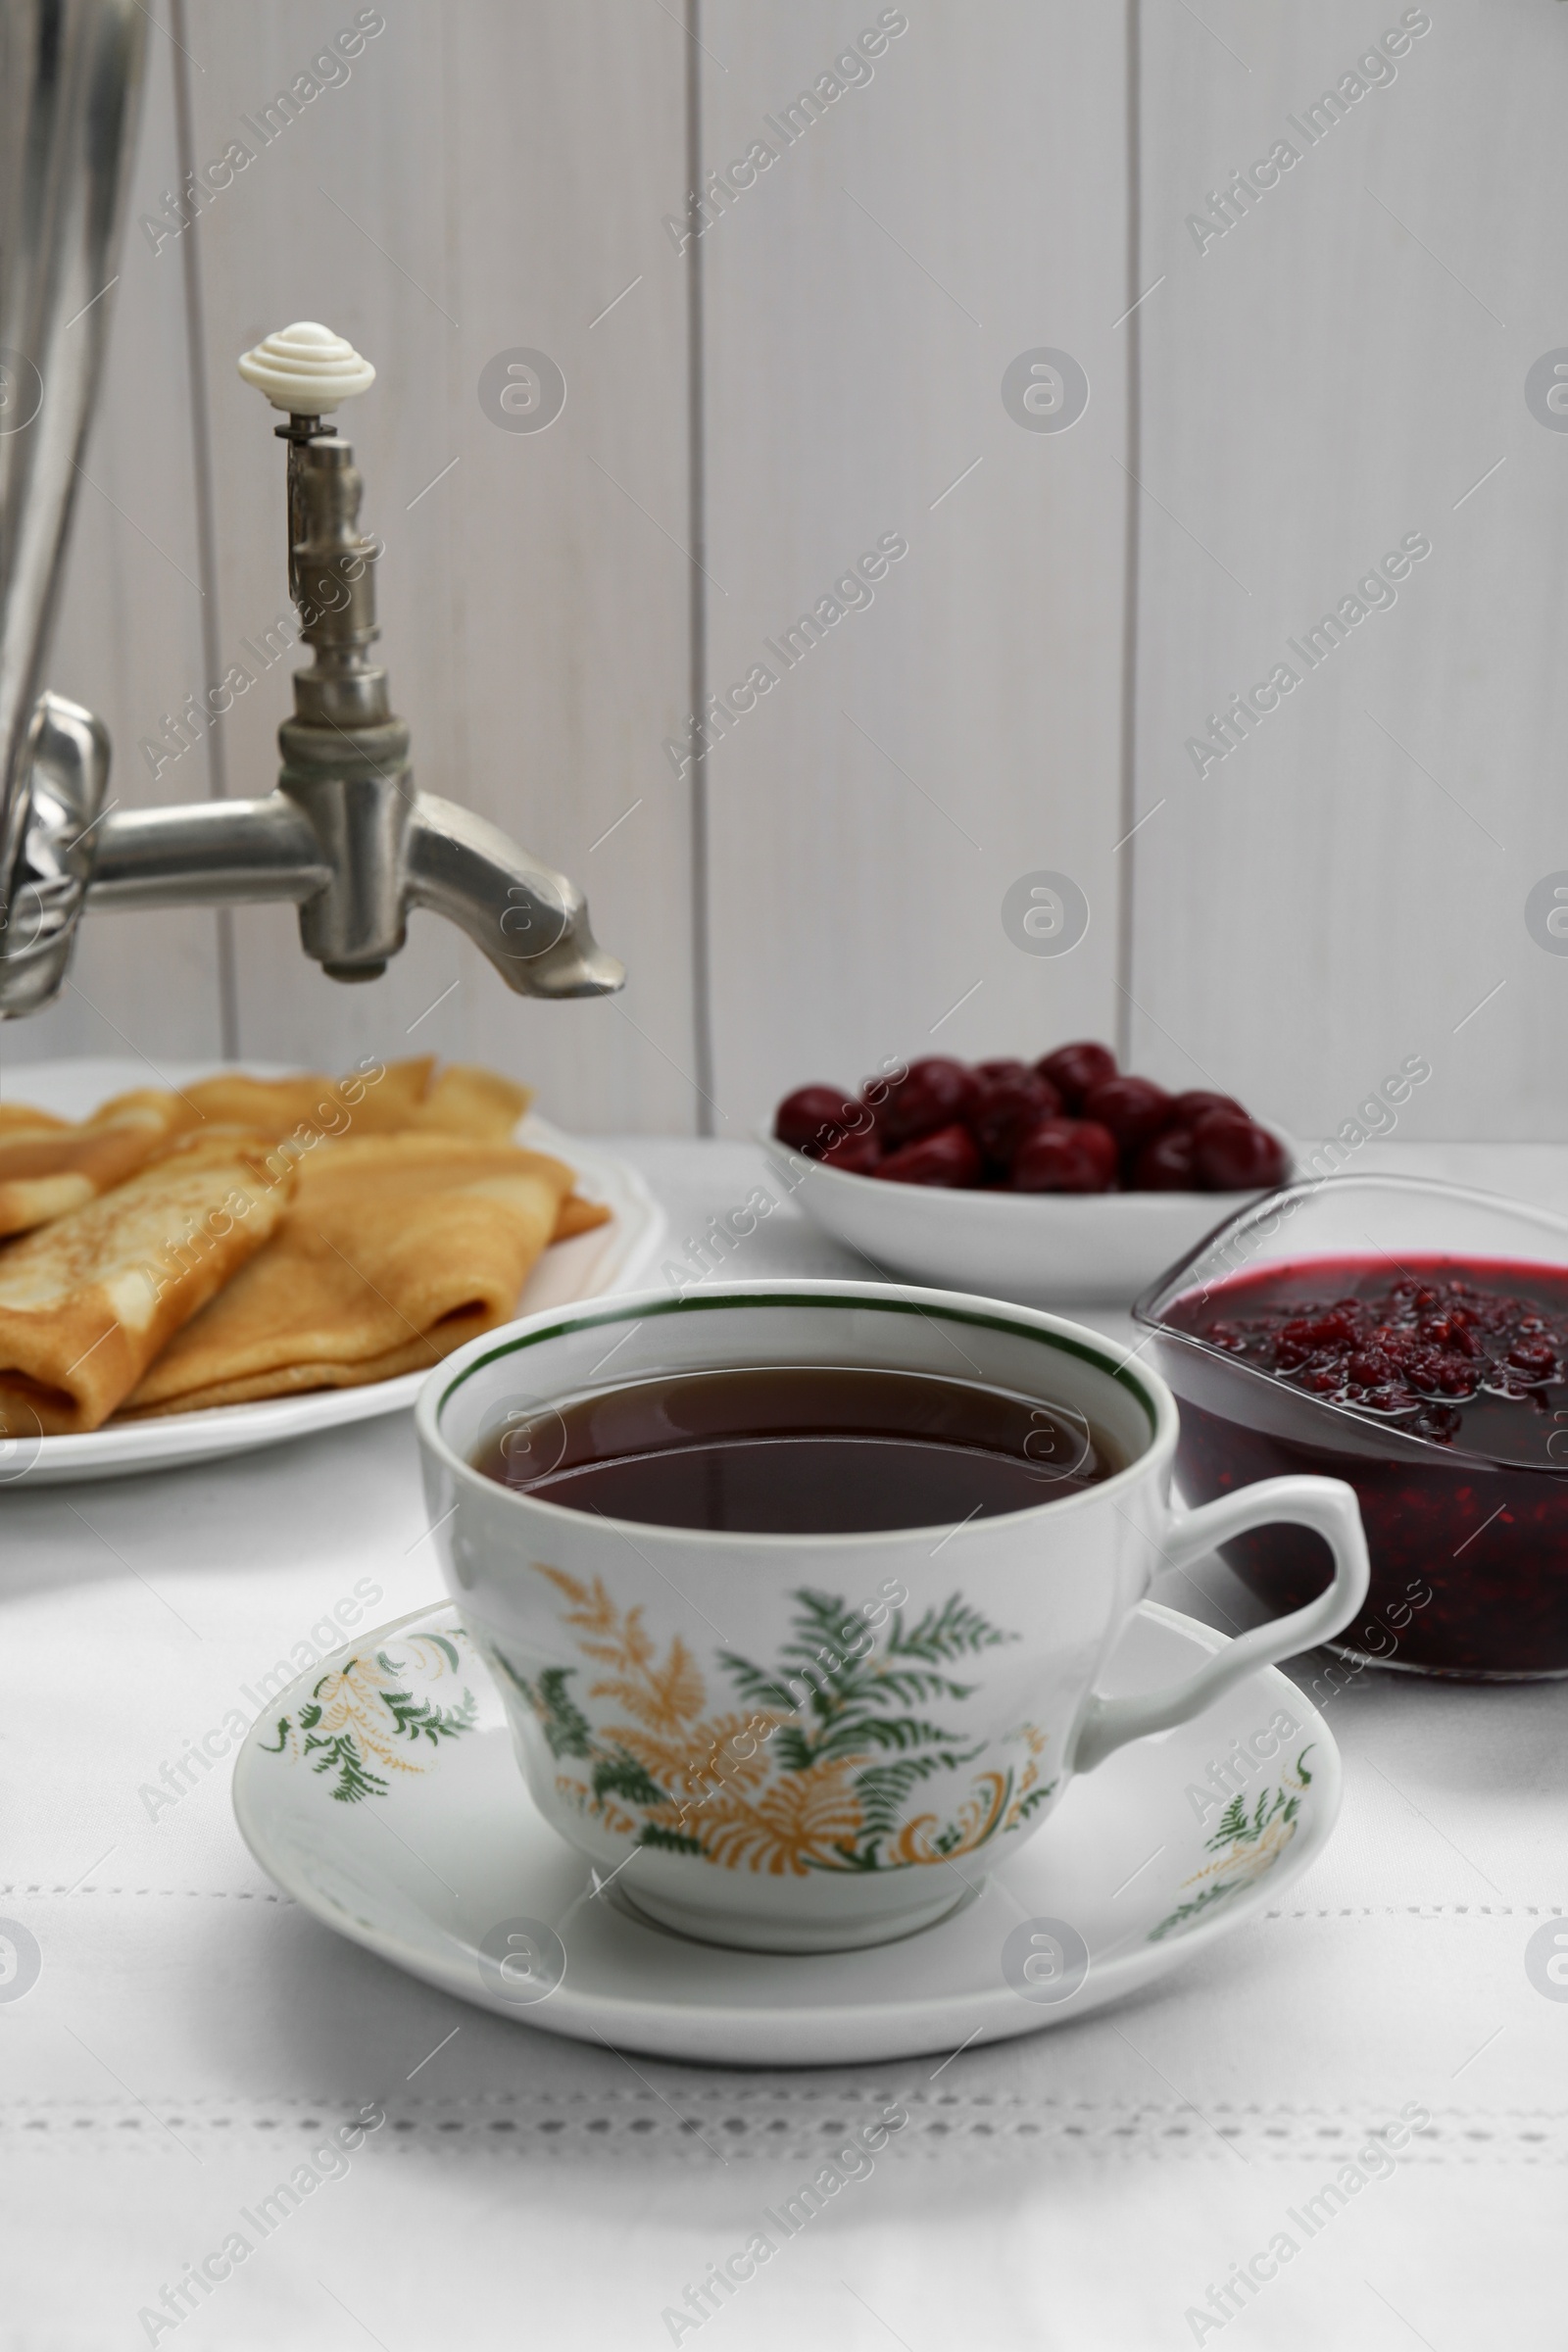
[(192, 2034)]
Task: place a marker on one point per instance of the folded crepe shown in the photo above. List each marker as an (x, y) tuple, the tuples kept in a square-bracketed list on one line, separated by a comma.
[(87, 1300), (577, 1215), (466, 1100), (395, 1250), (386, 1098), (17, 1119), (49, 1166)]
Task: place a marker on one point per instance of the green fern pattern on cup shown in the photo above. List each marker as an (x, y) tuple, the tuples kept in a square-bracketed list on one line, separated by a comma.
[(824, 1766)]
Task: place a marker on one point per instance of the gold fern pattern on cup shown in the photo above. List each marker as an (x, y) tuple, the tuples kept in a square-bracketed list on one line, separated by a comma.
[(369, 1713), (1246, 1844), (824, 1763)]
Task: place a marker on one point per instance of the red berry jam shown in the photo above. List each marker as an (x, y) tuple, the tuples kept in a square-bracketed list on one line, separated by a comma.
[(1449, 1381)]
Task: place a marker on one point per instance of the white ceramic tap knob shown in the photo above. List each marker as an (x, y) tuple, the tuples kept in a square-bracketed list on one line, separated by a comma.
[(306, 369)]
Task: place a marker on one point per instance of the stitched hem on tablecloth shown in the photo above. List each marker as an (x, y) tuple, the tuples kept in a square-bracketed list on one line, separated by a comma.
[(763, 2121)]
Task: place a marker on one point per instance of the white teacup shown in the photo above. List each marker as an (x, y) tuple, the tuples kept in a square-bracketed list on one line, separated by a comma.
[(811, 1742)]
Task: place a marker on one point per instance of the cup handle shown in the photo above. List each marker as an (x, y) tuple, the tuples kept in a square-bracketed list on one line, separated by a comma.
[(1327, 1504)]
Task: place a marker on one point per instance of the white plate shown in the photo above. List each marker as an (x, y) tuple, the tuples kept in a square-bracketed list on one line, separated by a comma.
[(613, 1258), (473, 1892), (1038, 1249)]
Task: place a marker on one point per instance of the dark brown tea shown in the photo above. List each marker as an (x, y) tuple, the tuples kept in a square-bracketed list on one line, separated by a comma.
[(800, 1449)]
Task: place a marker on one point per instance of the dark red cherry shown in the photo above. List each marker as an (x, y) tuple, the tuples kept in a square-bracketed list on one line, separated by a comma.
[(1235, 1155), (933, 1092), (1011, 1098), (1187, 1109), (809, 1119), (853, 1154), (875, 1095), (1133, 1108), (1065, 1156), (1166, 1164), (1073, 1069), (950, 1156)]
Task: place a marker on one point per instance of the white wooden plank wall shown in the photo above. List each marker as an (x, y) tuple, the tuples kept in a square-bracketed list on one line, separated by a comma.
[(863, 299), (1338, 369)]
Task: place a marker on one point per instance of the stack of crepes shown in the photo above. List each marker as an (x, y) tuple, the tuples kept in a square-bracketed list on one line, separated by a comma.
[(249, 1238)]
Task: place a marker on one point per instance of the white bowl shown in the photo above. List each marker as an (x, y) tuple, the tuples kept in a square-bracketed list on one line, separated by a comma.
[(1038, 1249)]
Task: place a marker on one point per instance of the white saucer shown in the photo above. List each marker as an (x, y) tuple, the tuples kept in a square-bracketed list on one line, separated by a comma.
[(615, 1256), (394, 1809)]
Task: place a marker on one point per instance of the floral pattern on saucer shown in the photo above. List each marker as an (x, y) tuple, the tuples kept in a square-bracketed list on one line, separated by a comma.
[(837, 1782), (1247, 1844), (368, 1712), (767, 1785), (459, 1796)]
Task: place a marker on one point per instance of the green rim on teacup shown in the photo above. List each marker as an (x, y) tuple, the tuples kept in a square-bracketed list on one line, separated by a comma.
[(1051, 1332)]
